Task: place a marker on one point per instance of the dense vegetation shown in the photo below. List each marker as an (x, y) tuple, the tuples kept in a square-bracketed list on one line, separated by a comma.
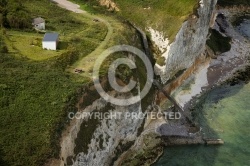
[(13, 14), (3, 47), (33, 97)]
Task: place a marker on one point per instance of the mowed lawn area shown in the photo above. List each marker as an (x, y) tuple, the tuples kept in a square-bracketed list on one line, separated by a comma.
[(74, 29), (163, 15), (30, 45)]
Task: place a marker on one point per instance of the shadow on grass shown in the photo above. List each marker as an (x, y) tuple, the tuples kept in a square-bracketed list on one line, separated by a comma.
[(50, 28), (63, 45)]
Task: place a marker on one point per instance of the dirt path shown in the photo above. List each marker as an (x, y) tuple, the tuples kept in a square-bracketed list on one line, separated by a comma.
[(87, 62), (69, 6)]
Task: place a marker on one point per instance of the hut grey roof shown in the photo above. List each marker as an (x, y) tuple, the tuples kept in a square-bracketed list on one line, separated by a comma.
[(50, 37), (38, 20)]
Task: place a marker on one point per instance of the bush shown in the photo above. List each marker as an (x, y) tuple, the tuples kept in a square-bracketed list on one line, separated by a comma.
[(4, 49), (67, 58), (14, 15), (19, 20)]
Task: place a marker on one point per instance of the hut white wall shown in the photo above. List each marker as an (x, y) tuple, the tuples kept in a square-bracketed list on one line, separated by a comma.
[(49, 45)]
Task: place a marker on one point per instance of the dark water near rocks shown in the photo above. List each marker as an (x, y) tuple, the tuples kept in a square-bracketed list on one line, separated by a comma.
[(224, 113), (244, 28)]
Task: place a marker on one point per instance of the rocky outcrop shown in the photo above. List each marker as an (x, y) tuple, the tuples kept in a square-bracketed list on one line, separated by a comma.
[(189, 42), (109, 4)]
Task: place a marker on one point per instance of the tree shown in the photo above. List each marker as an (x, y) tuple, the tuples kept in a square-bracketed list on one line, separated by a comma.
[(19, 20)]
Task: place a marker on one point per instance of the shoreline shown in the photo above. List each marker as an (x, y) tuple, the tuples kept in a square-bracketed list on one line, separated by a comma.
[(232, 66)]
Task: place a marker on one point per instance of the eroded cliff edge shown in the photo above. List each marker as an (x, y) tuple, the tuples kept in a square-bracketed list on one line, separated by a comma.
[(189, 43)]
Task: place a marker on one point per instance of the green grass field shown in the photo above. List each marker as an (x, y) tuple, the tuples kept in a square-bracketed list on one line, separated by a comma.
[(30, 45), (166, 16)]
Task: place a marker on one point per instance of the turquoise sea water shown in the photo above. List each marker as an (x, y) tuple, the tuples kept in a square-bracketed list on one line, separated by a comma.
[(223, 113)]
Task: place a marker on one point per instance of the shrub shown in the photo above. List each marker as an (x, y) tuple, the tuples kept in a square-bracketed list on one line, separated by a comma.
[(14, 15), (4, 49), (67, 58), (19, 20)]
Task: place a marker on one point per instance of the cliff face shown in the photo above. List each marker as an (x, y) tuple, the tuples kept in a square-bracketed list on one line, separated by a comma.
[(110, 136), (100, 132), (189, 42)]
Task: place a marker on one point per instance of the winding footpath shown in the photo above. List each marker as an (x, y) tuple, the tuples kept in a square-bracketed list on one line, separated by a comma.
[(87, 62)]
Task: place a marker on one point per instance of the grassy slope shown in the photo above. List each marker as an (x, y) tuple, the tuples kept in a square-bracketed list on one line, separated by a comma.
[(32, 99), (118, 33), (164, 15)]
